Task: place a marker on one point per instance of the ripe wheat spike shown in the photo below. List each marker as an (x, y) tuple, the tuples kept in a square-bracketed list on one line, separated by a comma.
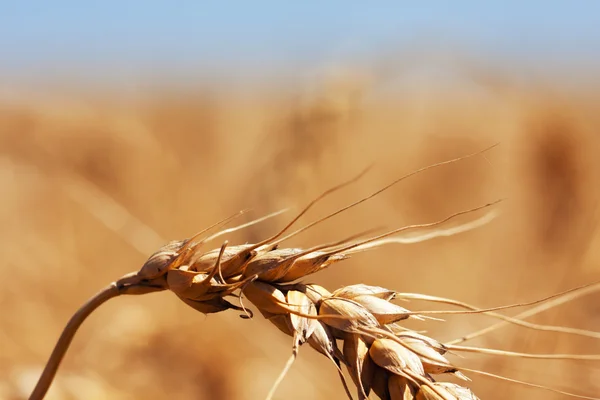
[(357, 327)]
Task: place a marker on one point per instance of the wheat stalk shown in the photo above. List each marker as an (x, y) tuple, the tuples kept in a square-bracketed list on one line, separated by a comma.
[(356, 327)]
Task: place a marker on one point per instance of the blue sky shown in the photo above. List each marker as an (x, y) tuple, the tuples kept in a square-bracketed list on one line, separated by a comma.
[(261, 38)]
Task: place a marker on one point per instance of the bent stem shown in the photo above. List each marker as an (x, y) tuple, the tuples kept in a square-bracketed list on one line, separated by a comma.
[(66, 337)]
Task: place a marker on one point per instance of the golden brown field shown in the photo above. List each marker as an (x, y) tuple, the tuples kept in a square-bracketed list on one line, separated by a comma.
[(93, 185)]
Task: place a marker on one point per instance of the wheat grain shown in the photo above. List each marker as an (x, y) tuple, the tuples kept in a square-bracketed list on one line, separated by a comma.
[(380, 355)]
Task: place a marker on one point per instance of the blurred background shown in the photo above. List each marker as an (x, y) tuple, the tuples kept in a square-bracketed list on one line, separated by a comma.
[(124, 125)]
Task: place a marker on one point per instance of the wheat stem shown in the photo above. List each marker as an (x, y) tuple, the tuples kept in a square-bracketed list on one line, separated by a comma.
[(66, 337)]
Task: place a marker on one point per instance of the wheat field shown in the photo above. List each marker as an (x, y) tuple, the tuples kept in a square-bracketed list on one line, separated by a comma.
[(92, 185)]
